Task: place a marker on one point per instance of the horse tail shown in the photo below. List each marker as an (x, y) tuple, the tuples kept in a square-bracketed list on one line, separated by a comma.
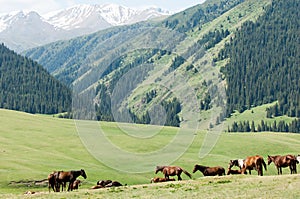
[(263, 162), (187, 173)]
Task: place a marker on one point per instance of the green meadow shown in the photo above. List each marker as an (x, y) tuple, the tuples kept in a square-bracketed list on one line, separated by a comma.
[(32, 146)]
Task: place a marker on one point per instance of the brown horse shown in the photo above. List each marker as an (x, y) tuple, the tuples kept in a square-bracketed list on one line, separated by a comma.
[(52, 181), (103, 183), (283, 161), (209, 171), (254, 162), (69, 176), (158, 179), (233, 172), (172, 171), (75, 185)]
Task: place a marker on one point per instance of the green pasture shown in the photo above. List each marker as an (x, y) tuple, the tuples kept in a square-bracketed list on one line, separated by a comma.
[(31, 146)]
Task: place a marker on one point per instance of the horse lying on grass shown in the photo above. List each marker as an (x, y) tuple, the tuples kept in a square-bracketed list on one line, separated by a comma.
[(233, 172), (158, 179), (106, 184)]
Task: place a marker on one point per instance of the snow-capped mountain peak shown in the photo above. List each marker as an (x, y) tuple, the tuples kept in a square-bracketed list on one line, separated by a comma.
[(67, 23)]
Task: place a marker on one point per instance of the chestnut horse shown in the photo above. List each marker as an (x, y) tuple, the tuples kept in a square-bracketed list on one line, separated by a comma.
[(158, 179), (69, 176), (172, 171), (283, 161), (254, 162), (209, 171)]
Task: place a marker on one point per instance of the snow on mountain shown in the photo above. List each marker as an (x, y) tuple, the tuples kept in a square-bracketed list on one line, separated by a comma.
[(22, 30), (105, 15)]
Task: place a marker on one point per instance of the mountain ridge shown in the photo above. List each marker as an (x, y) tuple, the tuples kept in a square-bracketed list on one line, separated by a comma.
[(22, 30)]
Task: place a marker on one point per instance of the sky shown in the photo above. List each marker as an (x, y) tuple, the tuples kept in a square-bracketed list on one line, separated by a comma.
[(45, 6)]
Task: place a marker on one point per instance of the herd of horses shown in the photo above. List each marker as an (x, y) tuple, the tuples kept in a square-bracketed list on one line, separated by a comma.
[(59, 179)]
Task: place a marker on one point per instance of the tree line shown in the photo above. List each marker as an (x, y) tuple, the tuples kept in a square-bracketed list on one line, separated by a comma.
[(281, 126), (264, 61), (27, 86)]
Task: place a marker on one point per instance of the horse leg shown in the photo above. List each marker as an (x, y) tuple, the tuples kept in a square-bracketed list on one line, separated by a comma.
[(179, 178)]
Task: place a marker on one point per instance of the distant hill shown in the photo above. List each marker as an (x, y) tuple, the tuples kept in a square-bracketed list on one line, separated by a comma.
[(27, 86), (133, 68), (23, 30)]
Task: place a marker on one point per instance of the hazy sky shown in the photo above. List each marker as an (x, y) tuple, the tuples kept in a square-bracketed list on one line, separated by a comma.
[(44, 6)]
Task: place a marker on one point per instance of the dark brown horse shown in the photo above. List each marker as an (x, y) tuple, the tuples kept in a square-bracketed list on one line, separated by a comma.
[(52, 181), (103, 183), (209, 171), (172, 171), (254, 162), (69, 176), (283, 161), (233, 172)]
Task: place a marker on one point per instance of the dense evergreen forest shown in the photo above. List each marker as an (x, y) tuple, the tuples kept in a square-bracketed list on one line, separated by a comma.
[(264, 61), (280, 126), (27, 86)]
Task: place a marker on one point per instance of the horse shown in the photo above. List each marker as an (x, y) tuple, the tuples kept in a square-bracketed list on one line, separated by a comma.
[(158, 179), (298, 159), (233, 172), (283, 161), (237, 162), (69, 176), (52, 181), (172, 171), (114, 184), (254, 162), (103, 183), (209, 171), (75, 185)]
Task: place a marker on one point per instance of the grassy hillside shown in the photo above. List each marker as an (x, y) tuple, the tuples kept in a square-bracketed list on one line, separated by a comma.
[(109, 57), (32, 146)]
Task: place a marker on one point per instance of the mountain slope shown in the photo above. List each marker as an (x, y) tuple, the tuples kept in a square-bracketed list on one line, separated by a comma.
[(20, 30), (26, 86), (135, 68), (264, 62)]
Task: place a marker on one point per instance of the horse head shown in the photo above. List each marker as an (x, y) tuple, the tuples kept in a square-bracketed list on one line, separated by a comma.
[(269, 160), (83, 174), (159, 168)]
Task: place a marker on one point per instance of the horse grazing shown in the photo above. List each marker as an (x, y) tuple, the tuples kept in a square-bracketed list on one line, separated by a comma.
[(254, 162), (172, 171), (209, 171), (238, 162), (233, 172), (69, 176), (283, 161), (158, 179)]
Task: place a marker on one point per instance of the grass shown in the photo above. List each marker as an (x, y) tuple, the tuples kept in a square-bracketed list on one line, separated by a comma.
[(31, 146)]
